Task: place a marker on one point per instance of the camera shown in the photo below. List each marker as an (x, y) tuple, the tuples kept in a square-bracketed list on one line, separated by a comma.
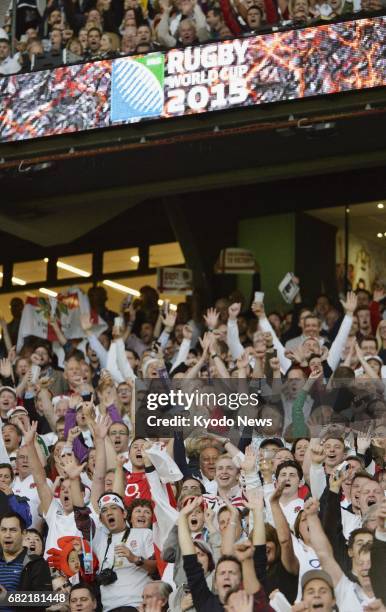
[(342, 467), (86, 397), (106, 577)]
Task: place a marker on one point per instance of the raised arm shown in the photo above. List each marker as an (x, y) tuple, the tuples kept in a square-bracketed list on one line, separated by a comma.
[(256, 505), (366, 367), (265, 326), (158, 324), (244, 553), (233, 339), (6, 336), (184, 349), (73, 470), (229, 534), (378, 553), (47, 407), (335, 352), (86, 323), (169, 322), (100, 430), (288, 556), (112, 363), (194, 571), (119, 482), (318, 481), (194, 371), (4, 457), (59, 334), (163, 34), (216, 359), (201, 25), (276, 385), (320, 542), (299, 427), (6, 372), (122, 361), (332, 520), (44, 491), (184, 536)]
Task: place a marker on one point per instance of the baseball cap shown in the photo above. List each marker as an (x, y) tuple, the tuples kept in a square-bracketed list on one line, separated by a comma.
[(108, 499), (275, 441), (317, 575), (203, 546), (13, 411)]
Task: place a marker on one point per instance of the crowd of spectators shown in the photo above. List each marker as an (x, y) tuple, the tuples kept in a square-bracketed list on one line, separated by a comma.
[(288, 516), (72, 31)]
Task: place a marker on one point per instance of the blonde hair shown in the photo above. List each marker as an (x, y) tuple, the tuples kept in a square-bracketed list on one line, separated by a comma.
[(114, 40), (381, 343), (225, 456), (194, 446), (103, 385)]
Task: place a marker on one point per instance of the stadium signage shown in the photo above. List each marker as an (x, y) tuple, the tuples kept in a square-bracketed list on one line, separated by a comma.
[(257, 70), (210, 56), (175, 281), (206, 78)]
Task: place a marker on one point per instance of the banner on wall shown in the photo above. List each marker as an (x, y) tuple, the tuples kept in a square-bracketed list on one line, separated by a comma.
[(175, 281), (235, 261), (249, 71)]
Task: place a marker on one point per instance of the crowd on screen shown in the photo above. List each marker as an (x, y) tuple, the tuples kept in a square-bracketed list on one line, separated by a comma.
[(63, 32), (288, 516)]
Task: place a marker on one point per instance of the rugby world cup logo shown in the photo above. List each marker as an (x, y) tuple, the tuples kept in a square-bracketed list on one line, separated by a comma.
[(137, 87)]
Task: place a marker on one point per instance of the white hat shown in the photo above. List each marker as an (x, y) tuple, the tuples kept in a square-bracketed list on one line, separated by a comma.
[(10, 389), (3, 35), (110, 498), (58, 398), (375, 358), (146, 363), (13, 411)]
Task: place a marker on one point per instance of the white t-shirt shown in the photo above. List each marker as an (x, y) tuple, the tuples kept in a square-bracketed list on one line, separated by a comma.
[(211, 486), (350, 522), (292, 509), (59, 525), (49, 438), (215, 502), (360, 371), (127, 590), (88, 439), (308, 560), (27, 488), (350, 597)]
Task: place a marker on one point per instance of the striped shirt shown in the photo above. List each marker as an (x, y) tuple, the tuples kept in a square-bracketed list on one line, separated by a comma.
[(10, 574)]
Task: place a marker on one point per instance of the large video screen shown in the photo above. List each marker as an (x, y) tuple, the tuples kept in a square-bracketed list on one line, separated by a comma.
[(217, 76)]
